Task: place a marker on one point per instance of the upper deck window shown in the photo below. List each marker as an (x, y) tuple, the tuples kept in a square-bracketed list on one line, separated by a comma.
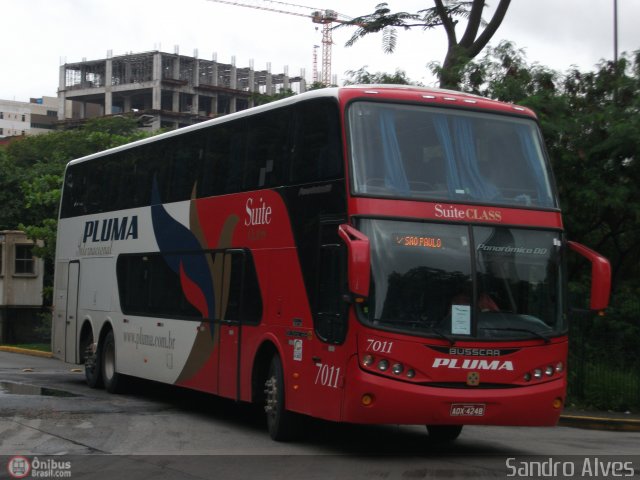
[(418, 152)]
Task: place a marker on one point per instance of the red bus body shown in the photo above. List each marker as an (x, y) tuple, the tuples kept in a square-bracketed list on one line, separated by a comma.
[(365, 374)]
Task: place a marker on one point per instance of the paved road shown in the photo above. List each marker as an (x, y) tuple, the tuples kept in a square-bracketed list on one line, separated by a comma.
[(160, 424)]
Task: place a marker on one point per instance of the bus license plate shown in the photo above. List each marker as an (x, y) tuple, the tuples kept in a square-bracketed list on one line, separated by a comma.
[(467, 409)]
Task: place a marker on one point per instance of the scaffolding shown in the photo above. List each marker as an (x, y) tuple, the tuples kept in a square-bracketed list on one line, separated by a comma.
[(169, 90)]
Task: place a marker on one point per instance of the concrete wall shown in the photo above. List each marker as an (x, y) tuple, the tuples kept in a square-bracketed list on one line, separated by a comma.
[(21, 311), (17, 287)]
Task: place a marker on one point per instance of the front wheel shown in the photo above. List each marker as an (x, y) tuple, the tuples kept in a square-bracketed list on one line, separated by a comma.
[(112, 380), (444, 433), (281, 423)]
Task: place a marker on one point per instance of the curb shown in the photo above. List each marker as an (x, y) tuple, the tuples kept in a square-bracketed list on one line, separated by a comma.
[(600, 423), (26, 351)]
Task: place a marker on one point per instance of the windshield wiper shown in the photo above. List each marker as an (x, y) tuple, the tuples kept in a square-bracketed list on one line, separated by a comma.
[(525, 330), (451, 341)]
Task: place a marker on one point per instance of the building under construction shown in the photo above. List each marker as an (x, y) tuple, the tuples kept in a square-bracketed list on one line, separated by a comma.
[(165, 90)]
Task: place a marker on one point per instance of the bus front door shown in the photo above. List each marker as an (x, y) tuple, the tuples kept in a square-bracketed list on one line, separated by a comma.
[(71, 321)]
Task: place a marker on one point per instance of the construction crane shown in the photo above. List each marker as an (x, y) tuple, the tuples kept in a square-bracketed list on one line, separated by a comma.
[(324, 17)]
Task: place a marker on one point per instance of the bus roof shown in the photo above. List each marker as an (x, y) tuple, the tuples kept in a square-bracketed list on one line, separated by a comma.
[(401, 93)]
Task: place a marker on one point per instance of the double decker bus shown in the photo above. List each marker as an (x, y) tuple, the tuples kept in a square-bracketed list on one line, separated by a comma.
[(374, 255)]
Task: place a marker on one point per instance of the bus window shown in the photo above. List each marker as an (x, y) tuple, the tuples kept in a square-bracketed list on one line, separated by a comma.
[(316, 153), (267, 152), (331, 315), (244, 300), (185, 160), (221, 168), (149, 287)]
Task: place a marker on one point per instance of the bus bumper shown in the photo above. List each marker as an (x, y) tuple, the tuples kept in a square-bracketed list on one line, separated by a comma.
[(375, 399)]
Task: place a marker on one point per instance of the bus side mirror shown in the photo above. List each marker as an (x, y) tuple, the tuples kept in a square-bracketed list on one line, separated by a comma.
[(359, 259), (600, 275)]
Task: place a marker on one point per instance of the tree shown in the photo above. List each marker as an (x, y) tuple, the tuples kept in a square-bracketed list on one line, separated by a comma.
[(591, 127), (444, 13), (31, 171), (262, 98), (363, 76)]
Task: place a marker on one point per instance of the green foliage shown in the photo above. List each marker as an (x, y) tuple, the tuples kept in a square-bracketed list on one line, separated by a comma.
[(446, 14), (363, 77), (591, 127), (316, 86), (31, 172), (262, 98)]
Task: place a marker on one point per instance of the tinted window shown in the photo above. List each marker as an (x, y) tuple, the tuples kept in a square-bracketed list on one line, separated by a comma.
[(316, 154), (223, 158), (295, 144), (148, 286), (267, 149), (244, 300)]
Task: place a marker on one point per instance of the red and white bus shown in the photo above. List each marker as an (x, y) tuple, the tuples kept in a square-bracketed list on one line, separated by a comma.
[(375, 255)]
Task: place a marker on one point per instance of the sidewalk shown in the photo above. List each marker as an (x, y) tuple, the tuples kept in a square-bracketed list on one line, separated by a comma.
[(600, 420), (25, 351), (571, 416)]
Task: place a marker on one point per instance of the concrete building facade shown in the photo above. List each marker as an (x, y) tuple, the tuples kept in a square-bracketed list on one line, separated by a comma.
[(164, 90), (39, 115), (21, 283)]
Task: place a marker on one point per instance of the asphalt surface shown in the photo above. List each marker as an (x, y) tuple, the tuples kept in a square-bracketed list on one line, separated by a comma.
[(571, 417)]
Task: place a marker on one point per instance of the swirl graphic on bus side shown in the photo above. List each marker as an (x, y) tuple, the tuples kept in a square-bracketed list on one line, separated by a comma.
[(191, 266)]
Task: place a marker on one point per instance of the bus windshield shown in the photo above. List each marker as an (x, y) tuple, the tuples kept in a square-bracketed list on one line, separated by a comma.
[(463, 281), (420, 152)]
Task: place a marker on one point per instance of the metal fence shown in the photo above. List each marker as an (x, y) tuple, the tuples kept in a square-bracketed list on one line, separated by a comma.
[(604, 361)]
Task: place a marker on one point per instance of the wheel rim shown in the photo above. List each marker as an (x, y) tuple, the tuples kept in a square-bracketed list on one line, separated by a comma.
[(271, 398), (109, 360)]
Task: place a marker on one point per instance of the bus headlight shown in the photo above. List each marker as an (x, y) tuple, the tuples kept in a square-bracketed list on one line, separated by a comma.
[(397, 368), (383, 365), (537, 374), (367, 360)]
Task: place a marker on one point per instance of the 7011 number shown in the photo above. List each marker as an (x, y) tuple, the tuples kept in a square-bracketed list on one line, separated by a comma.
[(327, 376), (378, 346)]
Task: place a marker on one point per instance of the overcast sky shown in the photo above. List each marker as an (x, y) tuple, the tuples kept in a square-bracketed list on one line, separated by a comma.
[(39, 35)]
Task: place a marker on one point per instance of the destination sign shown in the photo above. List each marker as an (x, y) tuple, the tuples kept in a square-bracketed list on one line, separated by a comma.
[(417, 241)]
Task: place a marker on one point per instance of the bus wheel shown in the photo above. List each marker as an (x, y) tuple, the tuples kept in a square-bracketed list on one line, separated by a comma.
[(92, 369), (281, 423), (112, 380), (444, 433)]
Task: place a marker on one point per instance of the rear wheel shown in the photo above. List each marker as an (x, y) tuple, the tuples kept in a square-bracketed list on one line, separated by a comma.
[(91, 360), (112, 379), (444, 433), (282, 424)]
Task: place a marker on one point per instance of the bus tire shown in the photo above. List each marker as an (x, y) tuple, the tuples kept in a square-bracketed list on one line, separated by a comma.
[(91, 360), (112, 380), (444, 433), (281, 423)]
